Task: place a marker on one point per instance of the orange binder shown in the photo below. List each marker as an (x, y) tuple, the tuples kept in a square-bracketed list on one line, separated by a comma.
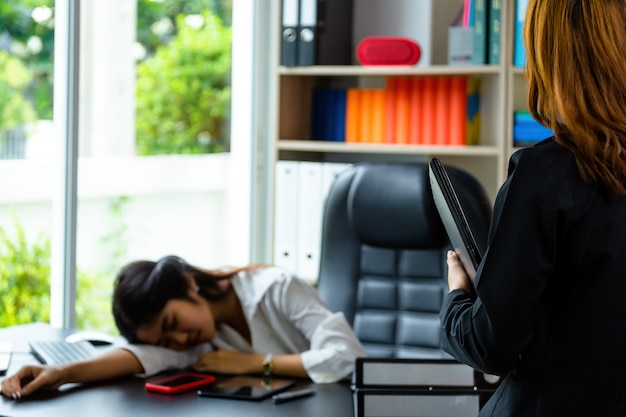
[(390, 109), (403, 109), (365, 116), (378, 115), (442, 110), (415, 125), (428, 104), (458, 111), (353, 131)]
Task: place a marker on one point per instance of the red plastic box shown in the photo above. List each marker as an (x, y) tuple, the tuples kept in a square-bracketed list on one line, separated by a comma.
[(387, 50)]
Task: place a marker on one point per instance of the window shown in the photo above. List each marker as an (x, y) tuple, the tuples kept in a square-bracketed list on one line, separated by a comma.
[(154, 119), (26, 183), (152, 165)]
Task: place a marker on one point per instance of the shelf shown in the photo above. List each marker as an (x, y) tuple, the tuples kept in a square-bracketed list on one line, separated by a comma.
[(290, 95), (366, 148), (358, 70)]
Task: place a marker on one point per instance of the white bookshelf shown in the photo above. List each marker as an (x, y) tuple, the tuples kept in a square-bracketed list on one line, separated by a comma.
[(289, 97)]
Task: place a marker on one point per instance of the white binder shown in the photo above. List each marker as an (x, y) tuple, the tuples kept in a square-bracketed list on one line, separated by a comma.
[(330, 170), (285, 214), (301, 190), (309, 220)]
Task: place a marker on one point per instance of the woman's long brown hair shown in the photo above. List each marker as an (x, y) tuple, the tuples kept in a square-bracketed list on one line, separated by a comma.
[(576, 74)]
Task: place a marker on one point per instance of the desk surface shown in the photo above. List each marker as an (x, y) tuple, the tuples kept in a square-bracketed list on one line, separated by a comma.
[(127, 397)]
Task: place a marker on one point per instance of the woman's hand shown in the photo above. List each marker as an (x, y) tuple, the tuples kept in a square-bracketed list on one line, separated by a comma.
[(115, 363), (457, 277), (229, 362), (30, 379)]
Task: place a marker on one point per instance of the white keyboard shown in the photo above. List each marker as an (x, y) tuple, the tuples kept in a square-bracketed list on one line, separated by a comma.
[(59, 352)]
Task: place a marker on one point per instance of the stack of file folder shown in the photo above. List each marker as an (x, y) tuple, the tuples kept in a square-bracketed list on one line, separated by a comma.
[(316, 32), (386, 387)]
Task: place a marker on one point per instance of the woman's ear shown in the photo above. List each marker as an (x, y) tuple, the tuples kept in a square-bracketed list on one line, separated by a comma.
[(192, 285)]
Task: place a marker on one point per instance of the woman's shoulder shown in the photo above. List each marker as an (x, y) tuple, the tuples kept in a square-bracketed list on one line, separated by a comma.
[(254, 282), (547, 173), (264, 273), (545, 163), (544, 154)]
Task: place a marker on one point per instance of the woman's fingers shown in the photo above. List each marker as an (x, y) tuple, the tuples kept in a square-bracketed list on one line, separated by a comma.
[(457, 277)]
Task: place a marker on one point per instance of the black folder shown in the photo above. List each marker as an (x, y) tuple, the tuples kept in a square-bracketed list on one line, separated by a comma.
[(453, 218)]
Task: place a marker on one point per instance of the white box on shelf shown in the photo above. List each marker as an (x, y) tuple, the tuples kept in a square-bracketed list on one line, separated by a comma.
[(460, 45)]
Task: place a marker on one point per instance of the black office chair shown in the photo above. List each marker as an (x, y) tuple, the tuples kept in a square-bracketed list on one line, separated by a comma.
[(383, 260)]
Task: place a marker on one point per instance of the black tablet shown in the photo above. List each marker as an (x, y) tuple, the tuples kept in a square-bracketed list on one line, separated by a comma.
[(453, 218), (251, 388)]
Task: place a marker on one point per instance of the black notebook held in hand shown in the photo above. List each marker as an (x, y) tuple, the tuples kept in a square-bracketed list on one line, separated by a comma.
[(453, 218)]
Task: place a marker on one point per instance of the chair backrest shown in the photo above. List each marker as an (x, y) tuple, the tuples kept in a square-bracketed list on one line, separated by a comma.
[(383, 255)]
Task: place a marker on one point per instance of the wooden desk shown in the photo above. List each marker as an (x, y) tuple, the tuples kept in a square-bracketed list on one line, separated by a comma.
[(127, 397)]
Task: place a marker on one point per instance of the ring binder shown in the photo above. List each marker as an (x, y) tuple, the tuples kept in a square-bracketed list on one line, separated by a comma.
[(307, 35), (289, 40)]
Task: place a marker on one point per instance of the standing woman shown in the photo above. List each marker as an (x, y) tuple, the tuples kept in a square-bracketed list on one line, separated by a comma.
[(251, 320), (550, 307)]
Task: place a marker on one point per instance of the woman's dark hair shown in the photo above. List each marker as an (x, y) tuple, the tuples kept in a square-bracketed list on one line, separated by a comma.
[(143, 288)]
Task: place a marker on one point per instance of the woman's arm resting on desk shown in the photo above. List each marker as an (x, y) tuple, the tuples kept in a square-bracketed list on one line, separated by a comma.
[(227, 361), (31, 378)]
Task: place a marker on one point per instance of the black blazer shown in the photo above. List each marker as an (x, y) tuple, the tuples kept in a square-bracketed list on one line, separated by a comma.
[(551, 309)]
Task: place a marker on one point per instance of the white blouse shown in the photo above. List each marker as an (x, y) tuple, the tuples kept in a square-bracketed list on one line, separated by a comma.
[(285, 315)]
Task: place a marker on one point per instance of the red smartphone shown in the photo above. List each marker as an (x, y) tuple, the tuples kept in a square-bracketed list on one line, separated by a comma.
[(179, 383)]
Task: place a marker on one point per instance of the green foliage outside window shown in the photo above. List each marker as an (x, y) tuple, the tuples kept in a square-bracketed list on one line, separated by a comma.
[(25, 285), (27, 31), (183, 91), (24, 278), (15, 109), (153, 16), (32, 41), (93, 302)]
